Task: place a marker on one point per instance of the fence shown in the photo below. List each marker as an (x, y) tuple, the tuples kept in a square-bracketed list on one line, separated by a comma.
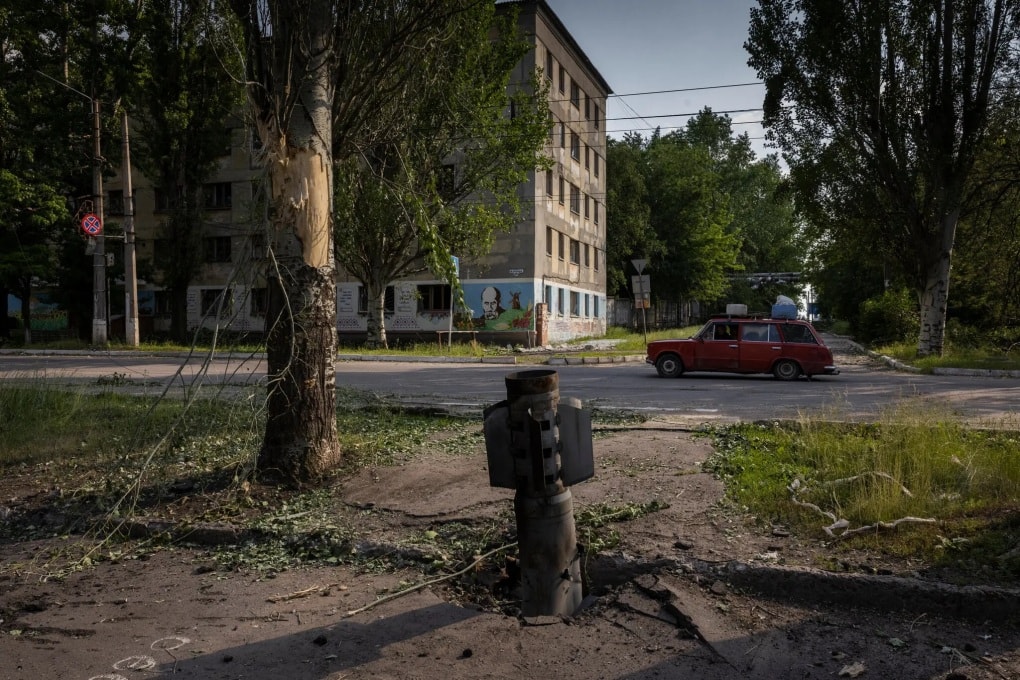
[(662, 314)]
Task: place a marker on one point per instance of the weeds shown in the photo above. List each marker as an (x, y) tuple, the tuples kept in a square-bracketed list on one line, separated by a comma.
[(913, 463)]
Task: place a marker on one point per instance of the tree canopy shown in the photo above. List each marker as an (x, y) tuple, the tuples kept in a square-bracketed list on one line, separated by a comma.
[(700, 208), (447, 174), (881, 108)]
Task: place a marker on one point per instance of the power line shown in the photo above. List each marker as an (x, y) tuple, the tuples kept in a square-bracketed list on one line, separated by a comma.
[(685, 89)]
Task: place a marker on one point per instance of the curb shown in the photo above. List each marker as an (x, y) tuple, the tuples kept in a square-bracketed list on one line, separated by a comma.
[(900, 366)]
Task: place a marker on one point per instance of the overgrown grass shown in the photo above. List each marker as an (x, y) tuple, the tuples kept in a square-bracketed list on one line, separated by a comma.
[(915, 462), (982, 358)]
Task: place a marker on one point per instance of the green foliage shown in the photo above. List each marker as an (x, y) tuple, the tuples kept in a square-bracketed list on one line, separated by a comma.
[(698, 206), (914, 463), (890, 317), (183, 98), (881, 110), (445, 176)]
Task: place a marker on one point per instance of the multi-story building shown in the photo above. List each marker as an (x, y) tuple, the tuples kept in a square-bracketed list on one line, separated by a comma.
[(543, 281)]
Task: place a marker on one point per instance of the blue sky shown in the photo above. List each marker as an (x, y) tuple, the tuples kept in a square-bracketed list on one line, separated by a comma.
[(654, 45)]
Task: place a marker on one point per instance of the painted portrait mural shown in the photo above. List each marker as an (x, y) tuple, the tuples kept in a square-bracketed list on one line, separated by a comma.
[(501, 306)]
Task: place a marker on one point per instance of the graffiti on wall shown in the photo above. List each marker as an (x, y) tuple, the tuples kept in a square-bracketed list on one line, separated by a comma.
[(500, 306)]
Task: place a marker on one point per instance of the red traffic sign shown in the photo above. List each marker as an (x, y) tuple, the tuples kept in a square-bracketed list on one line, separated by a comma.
[(91, 224)]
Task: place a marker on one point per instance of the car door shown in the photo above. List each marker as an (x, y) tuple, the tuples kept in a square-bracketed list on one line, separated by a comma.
[(759, 347), (717, 348)]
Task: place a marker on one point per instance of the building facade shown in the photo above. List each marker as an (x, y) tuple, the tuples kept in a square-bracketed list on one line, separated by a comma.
[(544, 281)]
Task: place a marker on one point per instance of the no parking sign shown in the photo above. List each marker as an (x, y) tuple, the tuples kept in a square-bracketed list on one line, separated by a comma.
[(91, 224)]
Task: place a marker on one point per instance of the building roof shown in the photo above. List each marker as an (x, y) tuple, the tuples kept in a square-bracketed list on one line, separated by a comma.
[(543, 7)]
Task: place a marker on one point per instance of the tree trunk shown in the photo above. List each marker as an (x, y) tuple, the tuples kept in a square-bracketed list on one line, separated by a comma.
[(935, 293), (179, 314), (376, 337), (26, 310), (300, 442)]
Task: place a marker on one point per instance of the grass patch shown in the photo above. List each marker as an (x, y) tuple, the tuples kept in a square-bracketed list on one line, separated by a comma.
[(979, 358), (913, 463)]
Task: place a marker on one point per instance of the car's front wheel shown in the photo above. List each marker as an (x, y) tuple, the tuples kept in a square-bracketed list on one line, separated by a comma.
[(786, 370), (669, 366)]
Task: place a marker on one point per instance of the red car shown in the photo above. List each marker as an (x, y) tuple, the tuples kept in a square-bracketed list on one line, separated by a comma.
[(786, 348)]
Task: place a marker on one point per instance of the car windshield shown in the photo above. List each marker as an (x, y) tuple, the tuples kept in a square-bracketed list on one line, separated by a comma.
[(705, 332)]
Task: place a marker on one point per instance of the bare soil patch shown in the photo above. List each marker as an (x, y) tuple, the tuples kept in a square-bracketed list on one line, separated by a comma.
[(692, 589)]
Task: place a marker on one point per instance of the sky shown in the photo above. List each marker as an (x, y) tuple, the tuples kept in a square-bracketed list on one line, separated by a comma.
[(655, 45)]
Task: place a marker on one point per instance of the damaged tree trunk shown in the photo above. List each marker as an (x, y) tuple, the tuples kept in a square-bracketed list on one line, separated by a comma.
[(290, 65)]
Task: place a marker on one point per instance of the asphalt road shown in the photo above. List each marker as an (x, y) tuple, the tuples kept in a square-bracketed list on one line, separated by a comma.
[(862, 391)]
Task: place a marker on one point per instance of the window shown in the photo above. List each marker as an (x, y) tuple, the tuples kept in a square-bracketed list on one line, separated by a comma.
[(563, 191), (597, 114), (549, 183), (161, 253), (563, 78), (575, 146), (552, 131), (596, 259), (575, 251), (434, 297), (799, 334), (587, 156), (575, 95), (722, 331), (115, 203), (549, 241), (165, 200), (549, 299), (216, 249), (258, 247), (258, 301), (562, 249), (587, 255), (760, 332), (218, 196), (513, 109), (388, 299), (587, 206), (549, 65), (445, 181), (562, 302), (595, 207), (161, 303), (595, 306), (563, 135), (596, 165), (587, 304), (211, 298), (575, 199), (575, 303), (587, 107)]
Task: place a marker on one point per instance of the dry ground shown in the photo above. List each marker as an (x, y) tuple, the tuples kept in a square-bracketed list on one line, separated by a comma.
[(695, 590)]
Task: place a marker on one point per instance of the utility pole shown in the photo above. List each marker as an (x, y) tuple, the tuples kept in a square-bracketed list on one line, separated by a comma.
[(99, 332), (130, 277)]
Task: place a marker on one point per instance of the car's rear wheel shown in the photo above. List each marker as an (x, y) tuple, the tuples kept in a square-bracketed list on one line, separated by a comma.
[(669, 366), (786, 370)]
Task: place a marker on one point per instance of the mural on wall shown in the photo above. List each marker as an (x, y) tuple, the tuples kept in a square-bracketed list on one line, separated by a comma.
[(46, 312), (501, 306)]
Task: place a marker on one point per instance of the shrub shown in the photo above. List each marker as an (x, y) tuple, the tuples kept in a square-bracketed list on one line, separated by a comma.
[(889, 318)]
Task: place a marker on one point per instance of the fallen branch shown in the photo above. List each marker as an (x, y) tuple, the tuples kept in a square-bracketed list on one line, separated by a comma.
[(844, 524), (425, 584), (302, 593)]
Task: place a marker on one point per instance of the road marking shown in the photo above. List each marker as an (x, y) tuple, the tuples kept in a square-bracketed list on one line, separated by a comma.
[(169, 643)]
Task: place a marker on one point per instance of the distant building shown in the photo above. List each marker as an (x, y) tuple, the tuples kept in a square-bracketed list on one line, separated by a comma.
[(544, 281)]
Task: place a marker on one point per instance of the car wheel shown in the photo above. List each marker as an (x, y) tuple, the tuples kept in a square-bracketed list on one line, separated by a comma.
[(786, 370), (669, 366)]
